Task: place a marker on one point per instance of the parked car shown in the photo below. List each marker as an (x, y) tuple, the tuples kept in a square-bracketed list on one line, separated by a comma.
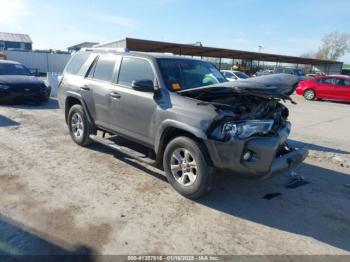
[(325, 87), (263, 72), (17, 83), (190, 120), (299, 73), (231, 75)]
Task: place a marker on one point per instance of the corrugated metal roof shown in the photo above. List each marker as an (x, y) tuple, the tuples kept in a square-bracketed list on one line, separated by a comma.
[(22, 38), (142, 45)]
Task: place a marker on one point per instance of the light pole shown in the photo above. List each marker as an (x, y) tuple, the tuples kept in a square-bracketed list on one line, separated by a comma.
[(260, 48)]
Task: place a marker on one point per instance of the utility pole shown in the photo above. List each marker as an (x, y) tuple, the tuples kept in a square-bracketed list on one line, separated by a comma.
[(260, 48)]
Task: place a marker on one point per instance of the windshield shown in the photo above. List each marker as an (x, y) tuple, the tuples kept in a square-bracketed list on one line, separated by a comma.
[(13, 69), (241, 75), (182, 74)]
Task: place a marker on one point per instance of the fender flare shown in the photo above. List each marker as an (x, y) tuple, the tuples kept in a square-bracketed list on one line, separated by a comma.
[(159, 138), (82, 102)]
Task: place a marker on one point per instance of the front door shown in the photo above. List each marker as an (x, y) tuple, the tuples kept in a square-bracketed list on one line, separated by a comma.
[(326, 88), (133, 111)]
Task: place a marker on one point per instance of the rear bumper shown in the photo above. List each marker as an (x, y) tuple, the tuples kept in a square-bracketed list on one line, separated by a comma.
[(299, 91), (266, 157)]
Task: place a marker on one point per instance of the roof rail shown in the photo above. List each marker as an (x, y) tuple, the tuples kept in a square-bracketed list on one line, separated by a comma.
[(105, 50)]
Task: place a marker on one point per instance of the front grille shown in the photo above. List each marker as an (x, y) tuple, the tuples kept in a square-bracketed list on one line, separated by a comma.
[(25, 88)]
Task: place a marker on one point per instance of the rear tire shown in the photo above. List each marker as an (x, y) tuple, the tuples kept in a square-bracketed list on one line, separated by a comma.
[(187, 167), (79, 127), (309, 94)]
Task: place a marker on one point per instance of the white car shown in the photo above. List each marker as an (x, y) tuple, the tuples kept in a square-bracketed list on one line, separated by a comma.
[(231, 75)]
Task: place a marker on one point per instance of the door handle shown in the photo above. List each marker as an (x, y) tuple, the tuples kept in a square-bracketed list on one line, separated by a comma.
[(115, 95), (85, 88)]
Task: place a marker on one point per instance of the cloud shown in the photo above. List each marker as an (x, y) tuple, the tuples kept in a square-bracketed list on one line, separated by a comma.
[(11, 12), (115, 20)]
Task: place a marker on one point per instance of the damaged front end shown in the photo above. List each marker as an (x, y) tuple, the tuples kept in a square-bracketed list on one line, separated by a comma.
[(249, 134)]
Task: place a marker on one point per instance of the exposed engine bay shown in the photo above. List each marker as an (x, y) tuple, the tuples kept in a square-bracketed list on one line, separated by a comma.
[(252, 108), (247, 107)]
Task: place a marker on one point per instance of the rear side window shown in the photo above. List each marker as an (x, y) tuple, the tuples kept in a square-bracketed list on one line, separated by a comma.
[(104, 68), (76, 63), (134, 69), (328, 80)]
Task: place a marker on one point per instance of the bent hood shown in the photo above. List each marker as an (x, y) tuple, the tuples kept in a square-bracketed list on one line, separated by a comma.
[(277, 85), (19, 80)]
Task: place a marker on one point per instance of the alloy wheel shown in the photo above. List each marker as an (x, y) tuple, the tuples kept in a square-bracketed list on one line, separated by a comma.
[(183, 167)]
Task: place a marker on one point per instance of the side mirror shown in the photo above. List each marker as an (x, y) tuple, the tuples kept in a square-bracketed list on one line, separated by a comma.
[(143, 85)]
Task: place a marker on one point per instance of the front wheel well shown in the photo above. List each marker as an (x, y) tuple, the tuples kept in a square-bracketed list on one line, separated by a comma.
[(169, 134), (70, 101)]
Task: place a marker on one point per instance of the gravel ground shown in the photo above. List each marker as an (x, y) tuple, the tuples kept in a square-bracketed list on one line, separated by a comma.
[(57, 197)]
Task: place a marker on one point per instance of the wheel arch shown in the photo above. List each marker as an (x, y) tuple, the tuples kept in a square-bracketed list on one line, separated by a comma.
[(73, 98), (172, 129), (312, 89)]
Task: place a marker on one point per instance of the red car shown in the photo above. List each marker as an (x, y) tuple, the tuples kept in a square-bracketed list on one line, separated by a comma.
[(327, 87)]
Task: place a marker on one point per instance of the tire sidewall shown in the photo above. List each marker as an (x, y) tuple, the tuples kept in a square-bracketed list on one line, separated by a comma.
[(310, 90), (79, 110), (202, 182)]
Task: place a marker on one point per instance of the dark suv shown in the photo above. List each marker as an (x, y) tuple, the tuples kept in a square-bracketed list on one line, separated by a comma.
[(182, 112)]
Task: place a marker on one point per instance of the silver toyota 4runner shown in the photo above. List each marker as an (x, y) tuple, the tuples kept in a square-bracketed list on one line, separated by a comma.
[(182, 113)]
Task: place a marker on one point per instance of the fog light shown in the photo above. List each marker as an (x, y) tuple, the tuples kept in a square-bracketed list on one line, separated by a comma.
[(247, 155)]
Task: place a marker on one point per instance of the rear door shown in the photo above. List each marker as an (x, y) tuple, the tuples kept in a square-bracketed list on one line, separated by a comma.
[(133, 112), (100, 84), (325, 87)]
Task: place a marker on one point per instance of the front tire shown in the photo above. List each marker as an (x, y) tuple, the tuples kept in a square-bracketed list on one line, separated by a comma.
[(187, 167), (79, 127), (309, 94)]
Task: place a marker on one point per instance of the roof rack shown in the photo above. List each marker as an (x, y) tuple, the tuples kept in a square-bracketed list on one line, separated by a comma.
[(105, 50)]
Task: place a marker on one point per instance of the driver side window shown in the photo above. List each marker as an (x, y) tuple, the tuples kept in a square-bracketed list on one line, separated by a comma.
[(134, 69)]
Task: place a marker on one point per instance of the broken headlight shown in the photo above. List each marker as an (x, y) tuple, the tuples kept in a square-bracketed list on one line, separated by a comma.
[(246, 128)]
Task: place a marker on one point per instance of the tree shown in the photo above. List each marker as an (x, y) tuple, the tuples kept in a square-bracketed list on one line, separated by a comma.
[(334, 45), (308, 55)]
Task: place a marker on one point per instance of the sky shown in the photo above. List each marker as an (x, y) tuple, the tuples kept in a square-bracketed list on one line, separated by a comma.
[(279, 26)]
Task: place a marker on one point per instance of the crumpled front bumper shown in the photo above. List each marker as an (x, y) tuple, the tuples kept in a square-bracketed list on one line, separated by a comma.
[(265, 161)]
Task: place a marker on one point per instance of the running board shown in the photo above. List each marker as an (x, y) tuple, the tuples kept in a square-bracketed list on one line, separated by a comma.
[(125, 150)]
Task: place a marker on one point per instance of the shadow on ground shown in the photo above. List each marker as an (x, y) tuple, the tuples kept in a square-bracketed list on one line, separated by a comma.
[(18, 243), (5, 122), (319, 209), (52, 103), (317, 147)]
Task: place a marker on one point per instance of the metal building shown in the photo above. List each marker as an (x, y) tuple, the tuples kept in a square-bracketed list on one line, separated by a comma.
[(10, 41), (327, 66)]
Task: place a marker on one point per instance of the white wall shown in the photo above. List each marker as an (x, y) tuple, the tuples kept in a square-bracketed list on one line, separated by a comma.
[(43, 62)]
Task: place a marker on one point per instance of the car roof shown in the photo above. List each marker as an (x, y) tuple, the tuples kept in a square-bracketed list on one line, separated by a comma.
[(344, 76), (341, 76), (8, 62)]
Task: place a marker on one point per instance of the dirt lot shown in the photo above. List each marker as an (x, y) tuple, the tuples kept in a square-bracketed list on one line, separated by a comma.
[(59, 197)]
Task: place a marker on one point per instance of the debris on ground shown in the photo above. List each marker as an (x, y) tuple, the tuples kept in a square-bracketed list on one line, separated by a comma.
[(271, 195)]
